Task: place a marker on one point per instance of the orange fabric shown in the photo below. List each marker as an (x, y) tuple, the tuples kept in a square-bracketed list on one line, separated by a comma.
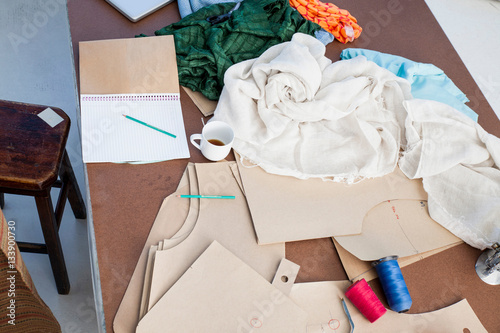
[(339, 22)]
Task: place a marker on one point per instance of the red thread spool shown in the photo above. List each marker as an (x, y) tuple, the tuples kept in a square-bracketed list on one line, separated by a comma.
[(363, 297)]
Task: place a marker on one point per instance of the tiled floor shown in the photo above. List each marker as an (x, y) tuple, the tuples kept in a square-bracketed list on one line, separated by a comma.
[(36, 66)]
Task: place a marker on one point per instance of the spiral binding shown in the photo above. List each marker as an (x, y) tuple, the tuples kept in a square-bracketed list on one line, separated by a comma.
[(130, 98)]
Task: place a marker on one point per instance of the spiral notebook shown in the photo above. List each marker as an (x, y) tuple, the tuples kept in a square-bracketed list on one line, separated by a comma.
[(136, 77), (153, 131)]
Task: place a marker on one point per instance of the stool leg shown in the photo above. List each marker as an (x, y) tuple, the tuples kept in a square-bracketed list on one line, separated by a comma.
[(51, 235), (74, 195), (2, 201)]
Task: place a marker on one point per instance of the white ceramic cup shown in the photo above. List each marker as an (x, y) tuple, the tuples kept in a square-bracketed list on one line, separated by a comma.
[(216, 140)]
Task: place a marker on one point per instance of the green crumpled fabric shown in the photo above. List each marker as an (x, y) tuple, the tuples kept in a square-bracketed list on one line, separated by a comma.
[(205, 51)]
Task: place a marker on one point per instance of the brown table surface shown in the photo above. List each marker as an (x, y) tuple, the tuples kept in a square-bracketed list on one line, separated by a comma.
[(125, 198)]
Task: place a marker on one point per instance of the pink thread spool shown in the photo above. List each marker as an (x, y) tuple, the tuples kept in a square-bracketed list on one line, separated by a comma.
[(363, 298)]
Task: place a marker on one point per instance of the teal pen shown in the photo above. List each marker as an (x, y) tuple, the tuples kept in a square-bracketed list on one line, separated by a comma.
[(150, 126), (207, 196)]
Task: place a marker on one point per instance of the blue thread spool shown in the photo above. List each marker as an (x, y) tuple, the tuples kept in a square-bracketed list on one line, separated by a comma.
[(393, 283)]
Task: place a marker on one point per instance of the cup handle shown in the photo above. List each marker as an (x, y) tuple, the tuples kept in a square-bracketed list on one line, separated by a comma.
[(196, 137)]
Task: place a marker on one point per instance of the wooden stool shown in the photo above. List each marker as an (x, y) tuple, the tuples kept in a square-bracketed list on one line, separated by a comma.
[(32, 158)]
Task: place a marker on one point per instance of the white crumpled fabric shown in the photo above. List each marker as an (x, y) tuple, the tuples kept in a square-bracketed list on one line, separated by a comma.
[(458, 162), (296, 113)]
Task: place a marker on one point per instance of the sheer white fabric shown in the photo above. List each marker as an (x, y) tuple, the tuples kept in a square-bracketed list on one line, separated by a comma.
[(296, 113), (458, 162)]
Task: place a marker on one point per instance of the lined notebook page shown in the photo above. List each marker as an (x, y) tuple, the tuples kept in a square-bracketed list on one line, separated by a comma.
[(107, 136)]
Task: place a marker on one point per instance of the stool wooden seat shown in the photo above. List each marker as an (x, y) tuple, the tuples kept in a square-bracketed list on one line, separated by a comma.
[(33, 159)]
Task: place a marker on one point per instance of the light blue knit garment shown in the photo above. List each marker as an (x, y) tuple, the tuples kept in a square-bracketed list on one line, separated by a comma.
[(187, 7), (427, 81)]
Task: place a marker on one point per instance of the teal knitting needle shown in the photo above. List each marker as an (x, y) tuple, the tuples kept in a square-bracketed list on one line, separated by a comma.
[(148, 125), (207, 196)]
